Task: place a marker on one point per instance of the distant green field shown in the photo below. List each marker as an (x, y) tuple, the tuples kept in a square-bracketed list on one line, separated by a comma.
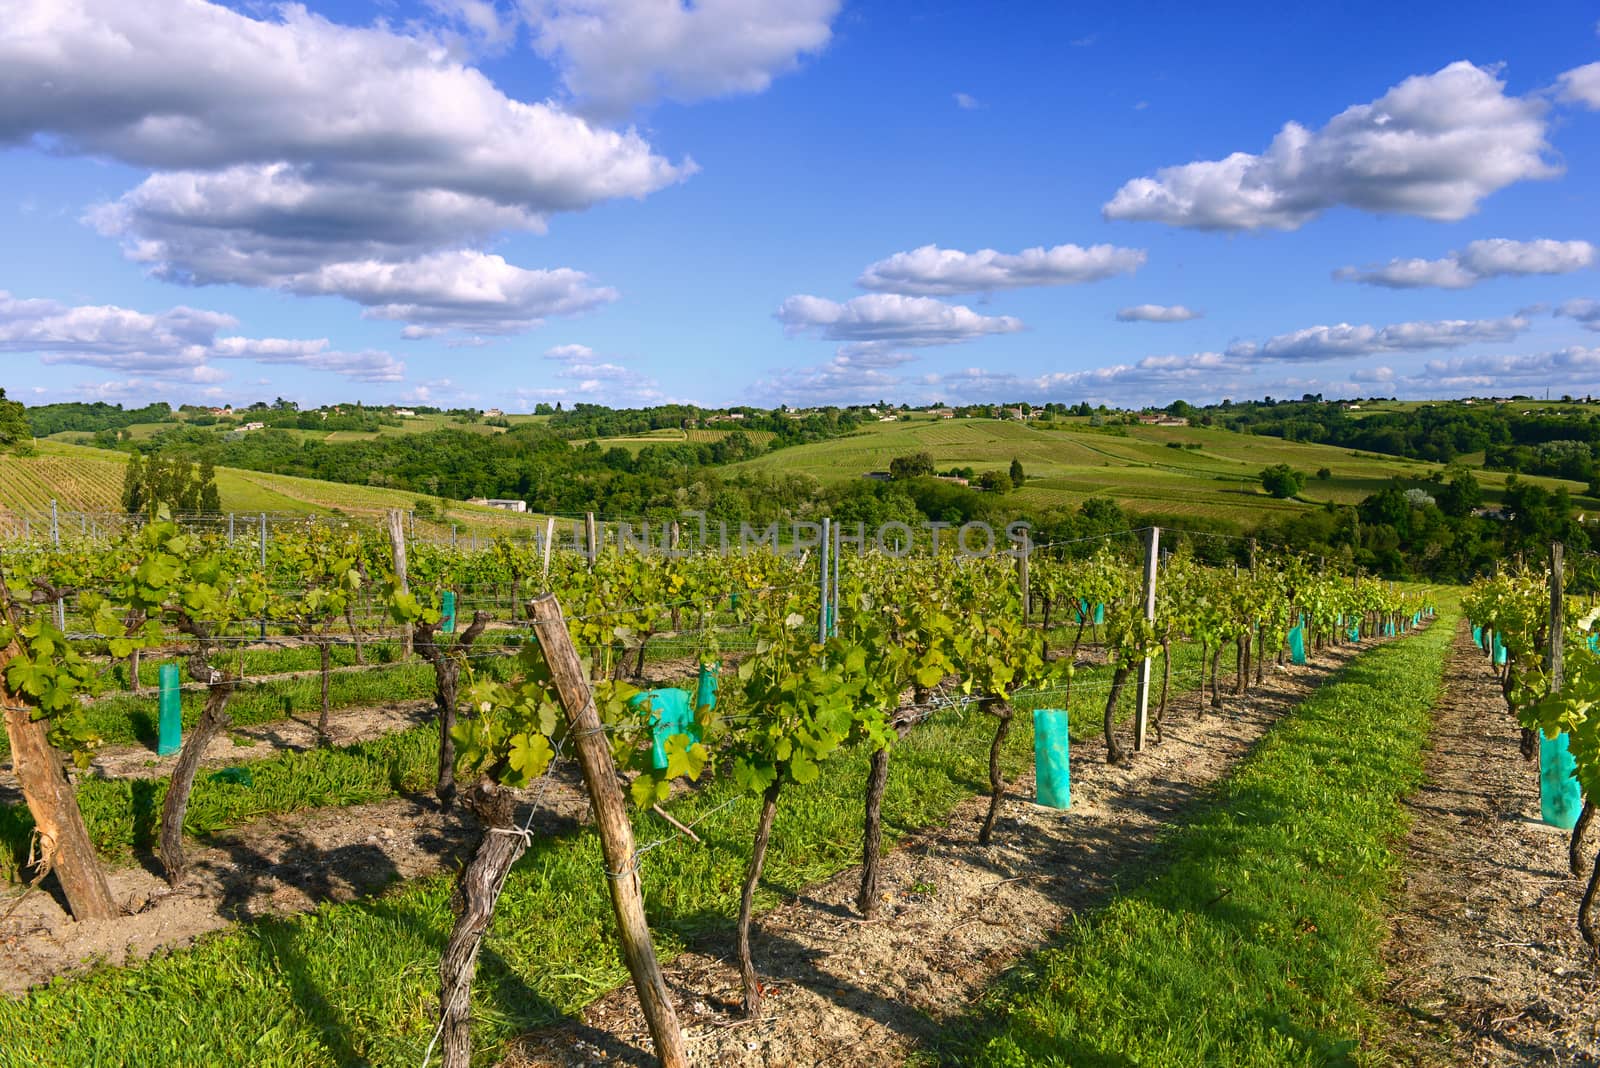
[(1068, 461), (90, 480)]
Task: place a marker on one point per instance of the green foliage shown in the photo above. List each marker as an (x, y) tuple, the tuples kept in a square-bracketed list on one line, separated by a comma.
[(14, 428), (1281, 480)]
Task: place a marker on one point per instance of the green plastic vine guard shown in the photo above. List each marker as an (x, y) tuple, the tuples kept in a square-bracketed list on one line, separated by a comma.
[(669, 713), (1297, 644), (1499, 651), (1560, 796), (1051, 768), (447, 612), (705, 687), (169, 721)]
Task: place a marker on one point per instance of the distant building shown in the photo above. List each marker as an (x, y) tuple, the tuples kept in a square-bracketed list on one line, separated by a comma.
[(957, 479), (878, 476), (253, 426), (499, 502), (405, 412), (494, 413), (1162, 419), (943, 413)]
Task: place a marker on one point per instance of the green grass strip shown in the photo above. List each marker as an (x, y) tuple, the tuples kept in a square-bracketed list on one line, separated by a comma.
[(1257, 941), (356, 983)]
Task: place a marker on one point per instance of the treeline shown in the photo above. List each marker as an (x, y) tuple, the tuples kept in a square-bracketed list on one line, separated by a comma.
[(49, 419), (599, 421), (1438, 432)]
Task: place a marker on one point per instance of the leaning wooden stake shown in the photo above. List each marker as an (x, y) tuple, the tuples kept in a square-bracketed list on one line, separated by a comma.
[(397, 541), (611, 819), (1141, 707), (64, 846)]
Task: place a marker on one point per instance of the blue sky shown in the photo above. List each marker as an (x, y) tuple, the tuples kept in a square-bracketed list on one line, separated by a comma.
[(743, 201)]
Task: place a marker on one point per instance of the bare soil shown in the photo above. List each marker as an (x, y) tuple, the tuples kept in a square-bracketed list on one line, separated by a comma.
[(239, 744), (1486, 965), (277, 866), (846, 991)]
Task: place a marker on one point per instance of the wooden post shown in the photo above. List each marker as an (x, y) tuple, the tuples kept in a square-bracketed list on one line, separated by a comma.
[(590, 541), (611, 820), (1141, 711), (263, 527), (397, 542), (1553, 650), (549, 543), (55, 539), (822, 613), (1022, 574), (64, 845)]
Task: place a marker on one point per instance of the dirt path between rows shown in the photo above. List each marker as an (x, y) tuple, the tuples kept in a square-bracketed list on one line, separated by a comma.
[(860, 993), (279, 865), (1485, 962)]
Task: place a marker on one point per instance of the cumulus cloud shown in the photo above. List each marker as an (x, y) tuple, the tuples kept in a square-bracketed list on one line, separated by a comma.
[(1490, 258), (1585, 311), (884, 322), (934, 271), (589, 376), (1575, 367), (1433, 146), (295, 153), (177, 345), (967, 102), (1347, 340), (576, 353), (1581, 85), (1157, 313), (615, 54)]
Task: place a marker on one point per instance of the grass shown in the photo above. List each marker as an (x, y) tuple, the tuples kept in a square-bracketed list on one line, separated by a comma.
[(85, 479), (124, 719), (356, 983), (1068, 460), (124, 815), (1257, 941)]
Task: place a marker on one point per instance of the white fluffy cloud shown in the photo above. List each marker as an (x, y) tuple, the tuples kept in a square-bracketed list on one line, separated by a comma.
[(615, 54), (1575, 367), (588, 376), (932, 271), (1433, 146), (1157, 313), (1490, 258), (1585, 311), (177, 345), (1581, 85), (884, 322), (1347, 340), (295, 153)]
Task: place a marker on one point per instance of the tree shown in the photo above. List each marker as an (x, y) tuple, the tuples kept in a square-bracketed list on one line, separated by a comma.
[(14, 428), (994, 482), (915, 465), (1281, 480), (1324, 474), (1017, 477)]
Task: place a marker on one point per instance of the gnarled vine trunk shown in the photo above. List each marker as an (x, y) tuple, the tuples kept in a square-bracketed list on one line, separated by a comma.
[(213, 719), (1575, 845), (997, 782), (446, 678), (1115, 754), (872, 826), (758, 857), (473, 901)]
